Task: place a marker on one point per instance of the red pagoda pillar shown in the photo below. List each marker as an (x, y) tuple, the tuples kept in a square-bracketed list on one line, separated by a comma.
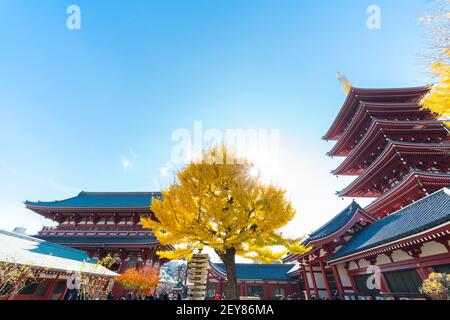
[(325, 280), (339, 285), (305, 280), (313, 279)]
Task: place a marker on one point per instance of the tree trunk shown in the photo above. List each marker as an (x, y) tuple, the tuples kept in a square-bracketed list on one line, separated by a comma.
[(231, 286)]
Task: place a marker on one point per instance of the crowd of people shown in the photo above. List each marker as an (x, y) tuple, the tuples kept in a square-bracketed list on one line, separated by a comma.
[(75, 294), (157, 296)]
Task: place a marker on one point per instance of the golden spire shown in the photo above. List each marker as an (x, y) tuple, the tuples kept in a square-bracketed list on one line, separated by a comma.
[(344, 81)]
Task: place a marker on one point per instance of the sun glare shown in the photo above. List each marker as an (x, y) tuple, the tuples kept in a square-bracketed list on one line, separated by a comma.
[(253, 172)]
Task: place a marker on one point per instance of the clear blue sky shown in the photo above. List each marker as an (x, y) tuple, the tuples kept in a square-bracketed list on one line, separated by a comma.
[(75, 104)]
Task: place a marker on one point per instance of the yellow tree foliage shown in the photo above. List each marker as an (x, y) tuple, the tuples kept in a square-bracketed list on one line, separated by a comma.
[(15, 277), (142, 281), (106, 261), (217, 203), (437, 286), (438, 99)]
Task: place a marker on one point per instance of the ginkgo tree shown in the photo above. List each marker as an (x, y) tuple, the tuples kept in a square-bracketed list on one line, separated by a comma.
[(437, 30), (217, 203), (438, 99)]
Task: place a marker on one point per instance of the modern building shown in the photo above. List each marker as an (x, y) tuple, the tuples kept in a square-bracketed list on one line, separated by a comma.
[(255, 281), (399, 155), (104, 224), (53, 263)]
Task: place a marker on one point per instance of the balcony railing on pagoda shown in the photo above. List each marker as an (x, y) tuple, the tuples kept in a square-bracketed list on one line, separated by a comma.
[(93, 231), (101, 228)]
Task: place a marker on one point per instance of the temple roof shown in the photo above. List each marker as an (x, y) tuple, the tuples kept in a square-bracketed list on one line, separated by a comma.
[(101, 200), (335, 224), (365, 116), (416, 181), (385, 130), (394, 151), (99, 240), (253, 271), (427, 213), (25, 250), (358, 95)]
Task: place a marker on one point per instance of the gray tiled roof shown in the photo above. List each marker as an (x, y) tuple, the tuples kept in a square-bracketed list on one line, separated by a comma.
[(253, 271), (332, 226), (425, 214)]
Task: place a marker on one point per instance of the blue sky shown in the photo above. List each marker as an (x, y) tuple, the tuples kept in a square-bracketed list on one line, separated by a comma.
[(75, 105)]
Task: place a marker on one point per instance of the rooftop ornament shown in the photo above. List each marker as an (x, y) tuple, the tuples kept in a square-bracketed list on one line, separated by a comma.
[(345, 83)]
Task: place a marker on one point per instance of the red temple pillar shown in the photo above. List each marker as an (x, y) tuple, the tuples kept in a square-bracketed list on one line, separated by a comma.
[(266, 292), (313, 280), (220, 287), (384, 285), (352, 282), (423, 273), (52, 284), (339, 285), (325, 280), (305, 280)]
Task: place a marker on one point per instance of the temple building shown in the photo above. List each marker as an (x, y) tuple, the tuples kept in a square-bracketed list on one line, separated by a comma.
[(399, 155), (102, 224), (255, 281), (53, 264)]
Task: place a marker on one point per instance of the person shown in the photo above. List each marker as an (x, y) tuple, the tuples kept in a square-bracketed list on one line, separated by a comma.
[(217, 297), (71, 294), (110, 296)]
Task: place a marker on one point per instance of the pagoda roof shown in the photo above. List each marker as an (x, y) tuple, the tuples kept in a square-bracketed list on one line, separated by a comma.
[(365, 115), (100, 240), (341, 220), (394, 149), (425, 214), (416, 182), (358, 95), (379, 129), (101, 200), (254, 271)]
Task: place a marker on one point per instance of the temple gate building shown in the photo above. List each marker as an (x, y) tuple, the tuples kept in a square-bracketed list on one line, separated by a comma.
[(104, 223)]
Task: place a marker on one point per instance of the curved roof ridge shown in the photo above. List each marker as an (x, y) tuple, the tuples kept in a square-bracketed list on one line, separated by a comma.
[(391, 145), (394, 89), (336, 223), (374, 103), (422, 215), (408, 176), (116, 193), (101, 200)]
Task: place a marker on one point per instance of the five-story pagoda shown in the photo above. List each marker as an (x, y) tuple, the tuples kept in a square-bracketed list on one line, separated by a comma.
[(398, 151)]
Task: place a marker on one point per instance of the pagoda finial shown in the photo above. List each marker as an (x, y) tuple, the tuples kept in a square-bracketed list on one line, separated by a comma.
[(344, 81)]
